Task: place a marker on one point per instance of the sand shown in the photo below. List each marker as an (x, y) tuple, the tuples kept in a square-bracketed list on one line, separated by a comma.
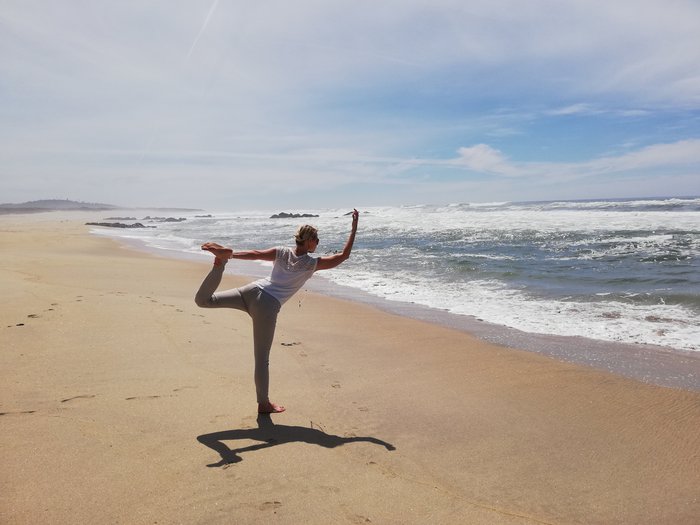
[(122, 402)]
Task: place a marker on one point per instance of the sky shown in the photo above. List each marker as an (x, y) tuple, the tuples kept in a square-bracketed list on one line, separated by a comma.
[(310, 104)]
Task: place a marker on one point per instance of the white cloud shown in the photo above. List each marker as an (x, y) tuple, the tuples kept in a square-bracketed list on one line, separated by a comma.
[(685, 152), (581, 47), (485, 159), (574, 109)]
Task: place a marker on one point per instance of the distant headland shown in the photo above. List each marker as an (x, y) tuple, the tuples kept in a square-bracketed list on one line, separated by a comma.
[(69, 205)]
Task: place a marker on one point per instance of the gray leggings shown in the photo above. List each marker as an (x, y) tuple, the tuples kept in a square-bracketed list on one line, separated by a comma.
[(263, 310)]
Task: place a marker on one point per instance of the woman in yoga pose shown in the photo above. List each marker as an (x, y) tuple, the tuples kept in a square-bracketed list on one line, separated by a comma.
[(263, 299)]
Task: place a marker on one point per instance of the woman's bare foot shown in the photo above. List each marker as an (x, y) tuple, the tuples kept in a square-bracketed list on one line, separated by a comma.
[(270, 408), (220, 252)]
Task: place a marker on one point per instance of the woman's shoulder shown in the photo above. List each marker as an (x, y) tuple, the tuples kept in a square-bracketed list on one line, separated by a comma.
[(284, 251), (303, 262)]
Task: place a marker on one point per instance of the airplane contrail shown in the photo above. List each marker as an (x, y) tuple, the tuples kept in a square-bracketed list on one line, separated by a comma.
[(202, 29)]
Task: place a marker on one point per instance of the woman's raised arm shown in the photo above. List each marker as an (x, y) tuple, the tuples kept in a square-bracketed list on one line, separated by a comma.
[(326, 263)]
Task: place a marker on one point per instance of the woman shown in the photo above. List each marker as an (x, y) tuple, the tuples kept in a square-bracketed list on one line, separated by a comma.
[(263, 299)]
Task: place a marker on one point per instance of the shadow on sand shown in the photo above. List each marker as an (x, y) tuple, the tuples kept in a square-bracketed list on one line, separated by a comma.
[(271, 435)]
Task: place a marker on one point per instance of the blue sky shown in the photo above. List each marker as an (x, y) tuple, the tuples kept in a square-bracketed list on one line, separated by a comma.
[(309, 104)]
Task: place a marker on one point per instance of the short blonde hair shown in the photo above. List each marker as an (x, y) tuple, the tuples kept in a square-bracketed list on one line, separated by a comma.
[(304, 233)]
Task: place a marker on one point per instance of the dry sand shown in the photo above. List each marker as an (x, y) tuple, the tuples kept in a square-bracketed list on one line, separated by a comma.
[(122, 402)]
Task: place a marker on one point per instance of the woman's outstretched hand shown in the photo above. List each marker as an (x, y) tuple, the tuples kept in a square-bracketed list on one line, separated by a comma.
[(355, 218)]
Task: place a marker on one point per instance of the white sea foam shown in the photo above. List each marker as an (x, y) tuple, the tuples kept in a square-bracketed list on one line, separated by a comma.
[(673, 327)]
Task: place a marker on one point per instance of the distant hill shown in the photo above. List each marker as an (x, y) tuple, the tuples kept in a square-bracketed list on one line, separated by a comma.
[(54, 205), (68, 205)]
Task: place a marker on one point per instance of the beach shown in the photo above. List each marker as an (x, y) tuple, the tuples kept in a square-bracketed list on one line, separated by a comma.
[(122, 402)]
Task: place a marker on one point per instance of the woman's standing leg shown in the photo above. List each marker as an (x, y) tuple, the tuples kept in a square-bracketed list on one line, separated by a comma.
[(263, 309)]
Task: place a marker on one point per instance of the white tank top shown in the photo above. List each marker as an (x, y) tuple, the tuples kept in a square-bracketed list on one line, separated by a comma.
[(289, 273)]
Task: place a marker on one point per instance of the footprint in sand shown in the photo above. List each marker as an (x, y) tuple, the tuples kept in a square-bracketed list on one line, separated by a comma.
[(87, 396), (336, 385), (184, 388), (19, 413), (219, 417), (270, 505), (30, 316)]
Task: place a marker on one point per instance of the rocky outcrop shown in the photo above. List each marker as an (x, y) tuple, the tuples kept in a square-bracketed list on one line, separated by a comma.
[(284, 215), (118, 225), (163, 219)]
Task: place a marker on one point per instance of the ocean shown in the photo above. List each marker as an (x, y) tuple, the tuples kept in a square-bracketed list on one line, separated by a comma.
[(624, 270)]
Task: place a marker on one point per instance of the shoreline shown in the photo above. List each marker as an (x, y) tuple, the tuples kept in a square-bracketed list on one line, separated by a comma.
[(657, 365), (122, 402)]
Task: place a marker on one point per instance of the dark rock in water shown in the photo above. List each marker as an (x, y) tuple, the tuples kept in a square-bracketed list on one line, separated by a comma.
[(209, 216), (163, 219), (118, 225), (120, 218), (284, 215)]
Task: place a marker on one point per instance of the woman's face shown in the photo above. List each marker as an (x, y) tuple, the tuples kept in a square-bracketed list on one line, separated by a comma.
[(312, 243)]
